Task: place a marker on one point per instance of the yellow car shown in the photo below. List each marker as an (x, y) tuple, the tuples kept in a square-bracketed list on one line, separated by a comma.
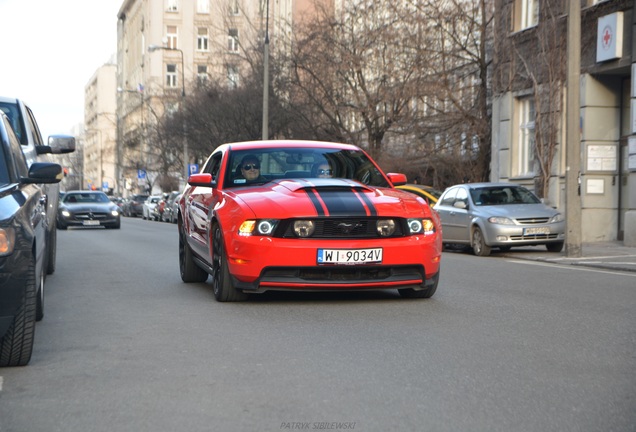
[(429, 193)]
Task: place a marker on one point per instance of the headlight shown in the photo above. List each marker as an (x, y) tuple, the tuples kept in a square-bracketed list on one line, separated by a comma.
[(500, 220), (257, 227), (556, 218), (415, 226), (114, 212), (66, 213), (7, 241), (421, 226), (266, 227), (304, 228), (385, 227)]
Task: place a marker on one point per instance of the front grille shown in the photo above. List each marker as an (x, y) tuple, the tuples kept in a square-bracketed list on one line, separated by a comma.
[(90, 216), (343, 228), (533, 221), (334, 274), (534, 237)]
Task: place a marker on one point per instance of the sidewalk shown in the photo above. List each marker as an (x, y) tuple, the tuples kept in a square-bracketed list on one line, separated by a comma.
[(606, 255)]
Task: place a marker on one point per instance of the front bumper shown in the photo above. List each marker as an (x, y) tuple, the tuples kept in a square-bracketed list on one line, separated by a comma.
[(514, 235), (258, 264)]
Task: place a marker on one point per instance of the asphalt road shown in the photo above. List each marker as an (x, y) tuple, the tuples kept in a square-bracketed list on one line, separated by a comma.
[(504, 345)]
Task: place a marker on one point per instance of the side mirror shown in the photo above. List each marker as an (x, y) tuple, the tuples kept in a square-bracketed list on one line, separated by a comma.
[(203, 180), (460, 205), (61, 144), (41, 172), (397, 179)]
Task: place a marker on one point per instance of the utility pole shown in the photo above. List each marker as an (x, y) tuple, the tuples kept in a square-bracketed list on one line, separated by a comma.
[(265, 134), (573, 135)]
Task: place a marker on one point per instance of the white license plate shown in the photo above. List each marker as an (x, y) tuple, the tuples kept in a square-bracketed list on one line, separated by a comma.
[(349, 256), (90, 222), (537, 230)]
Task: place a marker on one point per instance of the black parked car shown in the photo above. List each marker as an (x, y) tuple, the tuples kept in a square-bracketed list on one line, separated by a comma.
[(88, 209), (23, 241)]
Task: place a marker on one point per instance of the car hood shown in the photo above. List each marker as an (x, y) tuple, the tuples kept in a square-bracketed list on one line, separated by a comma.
[(327, 197), (517, 211)]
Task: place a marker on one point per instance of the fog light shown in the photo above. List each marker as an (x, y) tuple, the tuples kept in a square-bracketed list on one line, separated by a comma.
[(304, 228), (385, 227), (265, 227), (502, 238)]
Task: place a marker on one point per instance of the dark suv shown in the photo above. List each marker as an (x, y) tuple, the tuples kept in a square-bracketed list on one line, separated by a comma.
[(23, 241), (35, 149)]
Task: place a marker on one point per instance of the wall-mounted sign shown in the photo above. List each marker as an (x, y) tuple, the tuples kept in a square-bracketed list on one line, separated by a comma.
[(601, 158), (609, 37), (595, 186)]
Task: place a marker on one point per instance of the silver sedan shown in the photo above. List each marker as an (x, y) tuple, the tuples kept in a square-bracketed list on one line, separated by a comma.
[(501, 215)]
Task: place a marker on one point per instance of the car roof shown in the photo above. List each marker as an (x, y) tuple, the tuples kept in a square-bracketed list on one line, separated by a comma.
[(254, 145), (486, 184)]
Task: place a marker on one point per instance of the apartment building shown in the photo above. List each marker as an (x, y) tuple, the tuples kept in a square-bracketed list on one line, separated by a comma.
[(530, 107), (98, 139), (166, 47)]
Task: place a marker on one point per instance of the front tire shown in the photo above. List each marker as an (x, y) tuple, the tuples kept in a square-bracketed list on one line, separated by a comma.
[(425, 293), (39, 306), (480, 248), (190, 272), (16, 345), (221, 279), (554, 247)]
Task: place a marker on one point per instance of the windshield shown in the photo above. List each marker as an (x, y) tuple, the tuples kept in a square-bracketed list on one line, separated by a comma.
[(86, 198), (503, 195), (262, 166)]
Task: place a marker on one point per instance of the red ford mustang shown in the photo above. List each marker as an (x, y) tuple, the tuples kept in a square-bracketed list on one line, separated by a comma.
[(304, 215)]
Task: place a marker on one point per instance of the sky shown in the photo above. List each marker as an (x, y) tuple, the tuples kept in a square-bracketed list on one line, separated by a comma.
[(50, 50)]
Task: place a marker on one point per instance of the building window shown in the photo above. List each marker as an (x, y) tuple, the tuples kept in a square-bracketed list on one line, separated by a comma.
[(171, 75), (526, 14), (202, 73), (202, 39), (232, 77), (524, 154), (234, 7), (172, 5), (233, 41), (203, 6), (171, 37)]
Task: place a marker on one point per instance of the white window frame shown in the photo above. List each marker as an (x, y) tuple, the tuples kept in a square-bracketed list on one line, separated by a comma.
[(233, 8), (233, 76), (202, 73), (203, 6), (526, 14), (233, 40), (172, 5), (171, 75), (203, 39), (526, 137), (172, 38)]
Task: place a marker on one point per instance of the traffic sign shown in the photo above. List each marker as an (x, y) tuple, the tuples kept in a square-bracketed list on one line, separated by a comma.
[(193, 168)]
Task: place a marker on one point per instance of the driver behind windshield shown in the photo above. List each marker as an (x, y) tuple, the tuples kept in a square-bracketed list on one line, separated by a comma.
[(250, 169)]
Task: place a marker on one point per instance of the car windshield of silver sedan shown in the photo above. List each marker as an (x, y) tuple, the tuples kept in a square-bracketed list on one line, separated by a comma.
[(89, 197), (502, 196), (262, 166)]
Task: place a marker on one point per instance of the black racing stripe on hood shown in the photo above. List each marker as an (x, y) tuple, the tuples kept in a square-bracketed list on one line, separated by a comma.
[(311, 193), (368, 203), (342, 202)]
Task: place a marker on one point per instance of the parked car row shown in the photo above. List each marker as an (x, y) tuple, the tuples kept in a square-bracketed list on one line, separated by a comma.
[(151, 207), (29, 194)]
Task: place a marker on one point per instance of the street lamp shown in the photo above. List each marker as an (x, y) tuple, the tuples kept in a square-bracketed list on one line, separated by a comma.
[(265, 133), (152, 48)]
